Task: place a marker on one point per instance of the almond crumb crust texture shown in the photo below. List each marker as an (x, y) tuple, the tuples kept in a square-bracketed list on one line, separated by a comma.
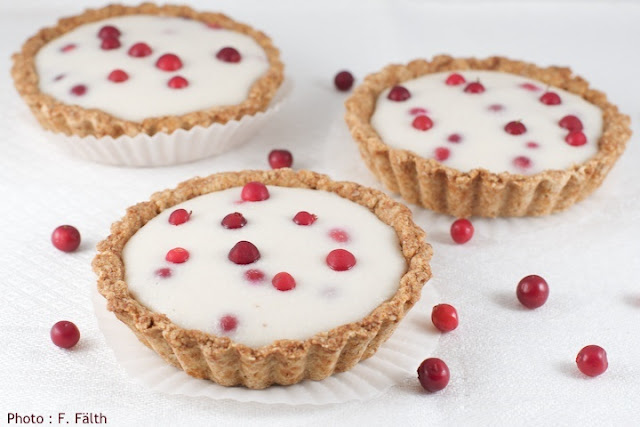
[(69, 119), (283, 362), (428, 183)]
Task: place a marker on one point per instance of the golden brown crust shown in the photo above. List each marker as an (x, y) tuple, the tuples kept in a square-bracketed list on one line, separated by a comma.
[(479, 192), (284, 362), (74, 120)]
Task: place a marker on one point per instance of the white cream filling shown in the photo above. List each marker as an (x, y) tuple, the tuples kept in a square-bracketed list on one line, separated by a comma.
[(208, 286), (145, 94), (484, 142)]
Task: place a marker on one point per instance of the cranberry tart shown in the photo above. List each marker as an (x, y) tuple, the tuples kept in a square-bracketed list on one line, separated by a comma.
[(263, 277), (146, 69), (489, 137)]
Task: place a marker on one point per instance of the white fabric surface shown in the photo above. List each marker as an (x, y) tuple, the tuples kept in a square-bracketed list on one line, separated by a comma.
[(509, 366)]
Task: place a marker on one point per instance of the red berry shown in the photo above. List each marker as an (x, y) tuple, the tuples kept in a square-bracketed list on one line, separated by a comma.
[(65, 334), (233, 221), (341, 260), (228, 323), (118, 76), (304, 218), (592, 360), (455, 79), (444, 317), (244, 253), (108, 31), (441, 154), (228, 54), (177, 82), (177, 255), (474, 87), (515, 128), (532, 144), (254, 192), (179, 216), (79, 90), (532, 291), (418, 111), (164, 272), (140, 50), (280, 159), (522, 162), (496, 107), (433, 374), (550, 98), (110, 43), (571, 123), (169, 62), (68, 48), (339, 235), (66, 238), (576, 139), (399, 93), (461, 230), (283, 281), (254, 275), (455, 138), (422, 123), (343, 81), (530, 86)]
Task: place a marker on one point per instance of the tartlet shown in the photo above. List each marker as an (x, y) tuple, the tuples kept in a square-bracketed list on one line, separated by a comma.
[(216, 355), (71, 119), (431, 183)]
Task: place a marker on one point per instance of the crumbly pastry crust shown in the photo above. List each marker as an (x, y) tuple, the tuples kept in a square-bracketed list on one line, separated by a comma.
[(284, 362), (74, 120), (480, 192)]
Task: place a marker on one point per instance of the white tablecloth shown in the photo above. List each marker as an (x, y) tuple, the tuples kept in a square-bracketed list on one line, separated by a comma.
[(508, 365)]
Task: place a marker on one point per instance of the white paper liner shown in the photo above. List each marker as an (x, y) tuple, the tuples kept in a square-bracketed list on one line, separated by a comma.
[(164, 149), (398, 359)]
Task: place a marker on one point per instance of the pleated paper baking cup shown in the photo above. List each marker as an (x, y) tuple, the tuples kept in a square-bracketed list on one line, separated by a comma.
[(181, 146), (394, 363)]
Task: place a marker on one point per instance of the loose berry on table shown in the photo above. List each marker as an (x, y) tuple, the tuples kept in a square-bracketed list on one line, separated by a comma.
[(433, 374), (461, 230), (343, 81), (532, 291), (280, 159), (592, 360), (444, 317), (65, 334), (66, 238)]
